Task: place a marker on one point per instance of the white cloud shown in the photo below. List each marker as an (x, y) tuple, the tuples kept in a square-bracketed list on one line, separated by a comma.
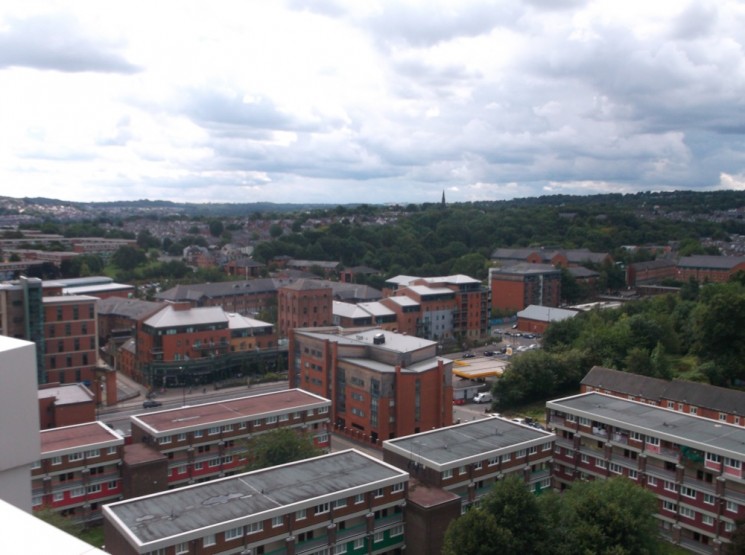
[(342, 101)]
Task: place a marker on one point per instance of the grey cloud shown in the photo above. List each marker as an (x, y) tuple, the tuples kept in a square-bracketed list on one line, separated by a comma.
[(57, 42), (697, 20)]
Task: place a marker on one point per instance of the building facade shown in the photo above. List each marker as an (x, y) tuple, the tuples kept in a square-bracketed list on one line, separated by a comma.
[(207, 441), (709, 268), (693, 465), (382, 384), (343, 503), (515, 287), (302, 304), (79, 470)]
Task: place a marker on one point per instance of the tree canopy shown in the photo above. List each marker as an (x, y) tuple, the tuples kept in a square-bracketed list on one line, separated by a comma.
[(279, 446), (606, 517)]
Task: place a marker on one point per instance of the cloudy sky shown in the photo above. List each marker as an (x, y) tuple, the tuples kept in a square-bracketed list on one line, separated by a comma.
[(348, 101)]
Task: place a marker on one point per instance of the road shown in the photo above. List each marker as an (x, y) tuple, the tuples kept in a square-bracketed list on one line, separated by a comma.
[(118, 417)]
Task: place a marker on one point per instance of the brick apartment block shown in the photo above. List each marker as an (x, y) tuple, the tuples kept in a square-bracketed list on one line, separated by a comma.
[(344, 502)]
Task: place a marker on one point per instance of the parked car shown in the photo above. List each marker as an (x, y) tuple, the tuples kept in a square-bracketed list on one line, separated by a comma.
[(468, 355), (149, 404), (488, 353)]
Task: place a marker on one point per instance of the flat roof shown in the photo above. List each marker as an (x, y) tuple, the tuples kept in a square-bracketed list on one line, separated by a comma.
[(67, 394), (472, 441), (705, 434), (479, 367), (69, 439), (196, 417), (193, 511), (398, 342)]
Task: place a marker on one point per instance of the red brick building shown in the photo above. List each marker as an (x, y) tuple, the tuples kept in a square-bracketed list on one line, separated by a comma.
[(654, 271), (65, 405), (703, 268), (302, 304), (79, 470), (699, 399), (70, 339), (382, 384), (207, 441), (515, 287)]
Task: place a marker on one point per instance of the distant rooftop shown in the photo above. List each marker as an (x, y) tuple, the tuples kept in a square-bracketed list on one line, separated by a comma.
[(193, 511), (66, 394), (546, 313), (393, 341), (461, 444), (171, 317)]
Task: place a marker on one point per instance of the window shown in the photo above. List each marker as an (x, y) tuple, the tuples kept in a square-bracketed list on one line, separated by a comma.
[(271, 419), (182, 548), (636, 436), (533, 450), (198, 466), (242, 426), (520, 454), (359, 543), (113, 484), (633, 474), (208, 540), (693, 410), (669, 506), (600, 463), (671, 486), (93, 453), (214, 462), (447, 473), (340, 549), (398, 487), (723, 417), (707, 520), (688, 513), (214, 430), (111, 451), (36, 500), (181, 437), (493, 461), (323, 410), (688, 492), (255, 527), (59, 496), (462, 470), (616, 468), (547, 446), (164, 439), (359, 498), (397, 530), (729, 526), (732, 463), (651, 480), (322, 508), (277, 521), (233, 533), (198, 433), (732, 506), (671, 404), (95, 488), (339, 503), (711, 457), (378, 493), (506, 457), (227, 428), (708, 499), (77, 492), (378, 537), (74, 457), (301, 514)]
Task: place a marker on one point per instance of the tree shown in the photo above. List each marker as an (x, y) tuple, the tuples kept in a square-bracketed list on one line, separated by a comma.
[(128, 258), (216, 228), (737, 547), (279, 447), (476, 533)]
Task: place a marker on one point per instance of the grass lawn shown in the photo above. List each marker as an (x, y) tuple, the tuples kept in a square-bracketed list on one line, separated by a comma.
[(92, 535)]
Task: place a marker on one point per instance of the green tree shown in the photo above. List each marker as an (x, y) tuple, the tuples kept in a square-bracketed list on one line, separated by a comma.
[(216, 228), (737, 547), (279, 447), (128, 258), (476, 533)]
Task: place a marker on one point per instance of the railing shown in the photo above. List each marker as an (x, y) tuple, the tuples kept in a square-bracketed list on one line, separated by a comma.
[(311, 545), (351, 531)]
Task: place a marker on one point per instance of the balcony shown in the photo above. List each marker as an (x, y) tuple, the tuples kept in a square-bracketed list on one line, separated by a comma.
[(309, 546)]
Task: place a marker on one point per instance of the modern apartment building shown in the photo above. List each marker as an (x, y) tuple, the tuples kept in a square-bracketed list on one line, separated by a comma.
[(450, 306), (78, 471), (207, 441), (515, 287), (70, 339), (693, 465), (22, 316), (345, 502), (382, 385), (302, 304)]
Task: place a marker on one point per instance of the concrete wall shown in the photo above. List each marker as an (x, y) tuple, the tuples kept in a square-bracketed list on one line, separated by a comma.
[(19, 420)]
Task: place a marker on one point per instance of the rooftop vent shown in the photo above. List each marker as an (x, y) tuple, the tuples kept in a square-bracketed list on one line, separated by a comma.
[(379, 339)]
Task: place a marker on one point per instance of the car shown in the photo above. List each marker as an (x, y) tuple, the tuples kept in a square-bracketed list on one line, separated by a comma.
[(488, 353), (483, 397), (149, 404), (468, 355)]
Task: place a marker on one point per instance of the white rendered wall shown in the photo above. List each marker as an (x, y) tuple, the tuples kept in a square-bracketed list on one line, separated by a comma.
[(19, 420)]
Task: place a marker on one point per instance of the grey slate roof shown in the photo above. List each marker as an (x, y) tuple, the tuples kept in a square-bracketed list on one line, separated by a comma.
[(131, 308), (546, 313), (711, 261), (697, 394)]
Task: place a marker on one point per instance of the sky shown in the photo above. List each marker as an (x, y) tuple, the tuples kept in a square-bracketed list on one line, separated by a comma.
[(326, 101)]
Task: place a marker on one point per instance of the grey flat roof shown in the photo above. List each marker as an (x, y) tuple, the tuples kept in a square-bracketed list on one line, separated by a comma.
[(393, 341), (454, 446), (705, 434), (194, 511)]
